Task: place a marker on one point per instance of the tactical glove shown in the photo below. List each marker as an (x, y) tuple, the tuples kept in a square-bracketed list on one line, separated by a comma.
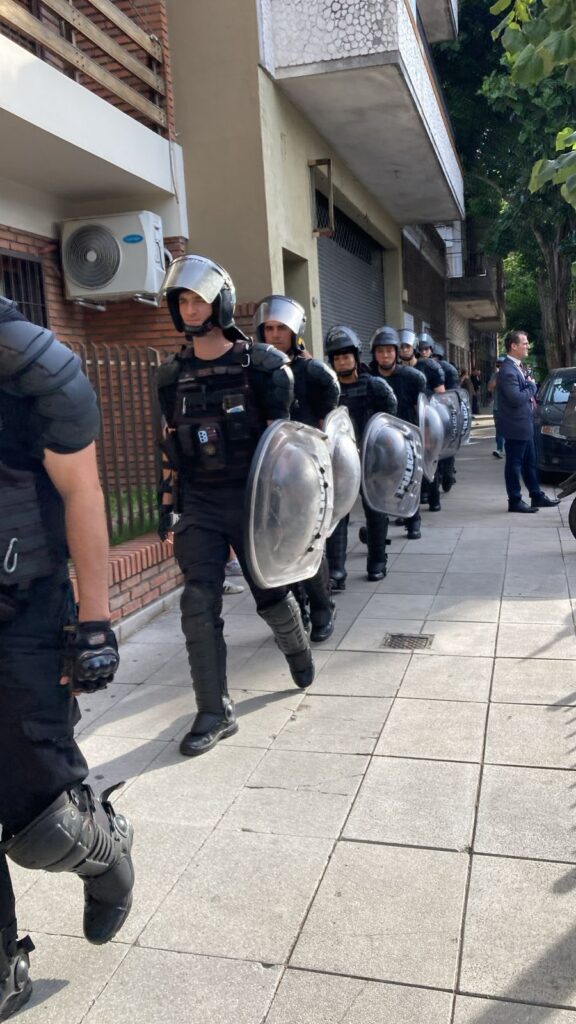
[(91, 656), (165, 521)]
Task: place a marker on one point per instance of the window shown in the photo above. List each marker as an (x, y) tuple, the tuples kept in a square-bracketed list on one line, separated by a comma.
[(559, 390), (21, 280)]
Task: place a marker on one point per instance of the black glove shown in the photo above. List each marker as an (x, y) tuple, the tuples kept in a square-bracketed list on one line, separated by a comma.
[(165, 521), (90, 655)]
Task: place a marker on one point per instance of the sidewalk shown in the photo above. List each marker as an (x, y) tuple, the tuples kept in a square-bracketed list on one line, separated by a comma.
[(395, 846)]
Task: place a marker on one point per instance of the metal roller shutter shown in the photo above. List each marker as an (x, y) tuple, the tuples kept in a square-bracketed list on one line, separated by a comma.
[(351, 277)]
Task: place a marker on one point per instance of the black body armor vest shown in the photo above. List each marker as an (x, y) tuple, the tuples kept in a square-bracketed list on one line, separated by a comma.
[(365, 397), (32, 531), (407, 383), (216, 419)]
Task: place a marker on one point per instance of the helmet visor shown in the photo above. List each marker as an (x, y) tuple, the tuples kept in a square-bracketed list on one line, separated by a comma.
[(282, 310), (196, 274)]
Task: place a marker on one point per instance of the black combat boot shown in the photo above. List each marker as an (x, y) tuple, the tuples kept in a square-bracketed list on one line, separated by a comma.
[(336, 546), (377, 532), (203, 626), (15, 983), (320, 603), (413, 527), (80, 833), (285, 622)]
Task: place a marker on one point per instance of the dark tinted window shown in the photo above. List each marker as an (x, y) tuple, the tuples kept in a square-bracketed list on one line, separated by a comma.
[(558, 390)]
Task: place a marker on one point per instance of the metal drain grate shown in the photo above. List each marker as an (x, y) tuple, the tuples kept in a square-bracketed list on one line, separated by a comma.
[(407, 641)]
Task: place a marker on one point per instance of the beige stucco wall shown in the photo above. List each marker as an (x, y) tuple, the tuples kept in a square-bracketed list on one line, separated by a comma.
[(289, 141), (215, 52)]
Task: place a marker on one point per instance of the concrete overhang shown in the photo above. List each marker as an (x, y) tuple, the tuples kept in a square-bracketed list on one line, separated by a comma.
[(369, 114), (59, 138), (440, 19)]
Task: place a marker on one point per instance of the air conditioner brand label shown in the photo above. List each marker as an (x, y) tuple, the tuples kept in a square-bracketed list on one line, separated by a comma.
[(133, 239)]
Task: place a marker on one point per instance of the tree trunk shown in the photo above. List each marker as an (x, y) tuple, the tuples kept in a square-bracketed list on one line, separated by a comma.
[(554, 293)]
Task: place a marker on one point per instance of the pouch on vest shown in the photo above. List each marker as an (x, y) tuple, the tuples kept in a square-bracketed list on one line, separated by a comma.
[(25, 553)]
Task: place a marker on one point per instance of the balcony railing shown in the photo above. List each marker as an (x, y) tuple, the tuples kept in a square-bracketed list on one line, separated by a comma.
[(99, 46)]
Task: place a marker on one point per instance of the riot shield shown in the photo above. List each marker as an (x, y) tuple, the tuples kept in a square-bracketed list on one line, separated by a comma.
[(448, 405), (465, 415), (346, 470), (432, 431), (289, 502), (392, 465)]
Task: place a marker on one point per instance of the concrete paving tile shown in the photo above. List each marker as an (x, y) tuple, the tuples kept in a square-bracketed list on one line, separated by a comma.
[(369, 675), (410, 583), (534, 640), (448, 678), (148, 713), (308, 998), (68, 975), (306, 771), (162, 987), (408, 562), (342, 725), (111, 758), (367, 634), (526, 585), (245, 630), (437, 729), (539, 563), (255, 918), (55, 905), (139, 661), (521, 681), (436, 541), (416, 802), (201, 788), (478, 584), (267, 670), (527, 812), (398, 606), (386, 913), (483, 562), (94, 706), (542, 736), (487, 1011), (262, 715), (520, 936), (165, 629), (350, 603), (533, 609), (465, 609), (476, 639)]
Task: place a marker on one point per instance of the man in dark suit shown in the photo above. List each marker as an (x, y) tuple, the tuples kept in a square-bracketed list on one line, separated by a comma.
[(515, 422)]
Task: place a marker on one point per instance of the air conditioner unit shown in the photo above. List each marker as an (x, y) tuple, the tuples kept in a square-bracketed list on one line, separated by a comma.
[(118, 256)]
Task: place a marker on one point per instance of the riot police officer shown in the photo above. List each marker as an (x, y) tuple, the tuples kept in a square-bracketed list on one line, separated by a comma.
[(406, 382), (363, 395), (446, 467), (280, 321), (51, 498), (435, 385), (217, 396)]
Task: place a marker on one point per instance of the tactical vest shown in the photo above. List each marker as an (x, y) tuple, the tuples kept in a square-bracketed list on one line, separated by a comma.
[(216, 421), (31, 519), (356, 399)]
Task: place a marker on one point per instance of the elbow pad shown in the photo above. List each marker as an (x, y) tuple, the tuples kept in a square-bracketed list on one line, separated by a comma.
[(383, 397), (325, 389), (279, 385)]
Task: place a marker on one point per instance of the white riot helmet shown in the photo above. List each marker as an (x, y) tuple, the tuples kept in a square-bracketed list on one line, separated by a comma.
[(283, 310), (208, 280)]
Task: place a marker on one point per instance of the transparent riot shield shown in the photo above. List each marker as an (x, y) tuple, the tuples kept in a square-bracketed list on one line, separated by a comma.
[(392, 465), (289, 504), (465, 415), (432, 430), (448, 405), (346, 469)]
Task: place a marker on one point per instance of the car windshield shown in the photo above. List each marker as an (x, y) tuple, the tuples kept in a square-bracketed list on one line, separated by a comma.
[(559, 390)]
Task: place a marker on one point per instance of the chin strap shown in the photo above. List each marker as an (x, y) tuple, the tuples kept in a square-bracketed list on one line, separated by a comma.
[(202, 330)]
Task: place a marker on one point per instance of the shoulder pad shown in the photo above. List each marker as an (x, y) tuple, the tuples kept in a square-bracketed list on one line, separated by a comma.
[(266, 357), (320, 372), (168, 371), (384, 394)]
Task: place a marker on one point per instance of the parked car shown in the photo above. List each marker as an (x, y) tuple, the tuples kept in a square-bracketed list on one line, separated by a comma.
[(555, 437)]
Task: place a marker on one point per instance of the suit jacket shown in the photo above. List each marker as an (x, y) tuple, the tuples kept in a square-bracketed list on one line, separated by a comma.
[(515, 413)]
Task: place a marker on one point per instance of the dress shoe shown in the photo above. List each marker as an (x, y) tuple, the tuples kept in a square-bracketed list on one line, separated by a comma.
[(322, 632), (543, 501), (522, 507), (301, 668), (207, 729)]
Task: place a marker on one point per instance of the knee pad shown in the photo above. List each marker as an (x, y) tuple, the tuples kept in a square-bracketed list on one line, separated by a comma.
[(201, 599)]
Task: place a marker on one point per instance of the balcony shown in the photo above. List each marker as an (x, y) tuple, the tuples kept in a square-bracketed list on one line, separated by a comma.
[(478, 294), (85, 105), (440, 19), (363, 75)]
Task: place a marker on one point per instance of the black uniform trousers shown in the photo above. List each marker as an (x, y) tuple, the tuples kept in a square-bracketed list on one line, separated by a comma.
[(377, 530), (39, 758)]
